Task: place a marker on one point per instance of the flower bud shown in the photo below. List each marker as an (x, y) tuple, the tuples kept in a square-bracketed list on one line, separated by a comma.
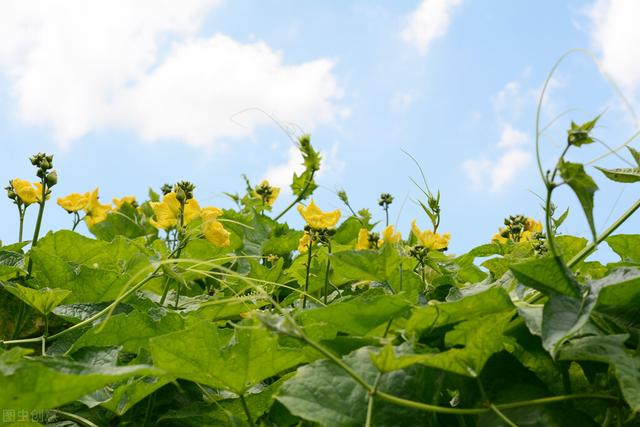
[(181, 196), (52, 179)]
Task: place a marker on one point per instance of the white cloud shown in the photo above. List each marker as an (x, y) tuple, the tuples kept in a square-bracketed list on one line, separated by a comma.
[(428, 22), (616, 34), (510, 137), (78, 66), (402, 101), (497, 175)]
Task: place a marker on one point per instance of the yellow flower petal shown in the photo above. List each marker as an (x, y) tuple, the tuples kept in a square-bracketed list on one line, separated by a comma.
[(317, 218), (429, 239), (191, 211), (126, 199), (303, 243), (389, 235), (26, 191), (165, 217), (363, 240), (73, 202), (95, 211), (215, 233)]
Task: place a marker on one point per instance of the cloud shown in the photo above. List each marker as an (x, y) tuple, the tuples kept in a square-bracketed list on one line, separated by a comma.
[(495, 176), (616, 34), (78, 66), (428, 22), (510, 137), (401, 101)]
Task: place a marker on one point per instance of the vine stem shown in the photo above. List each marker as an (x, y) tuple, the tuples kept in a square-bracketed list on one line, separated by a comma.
[(306, 278), (442, 409), (21, 212), (586, 251), (36, 231), (326, 274), (246, 410), (299, 198), (111, 306)]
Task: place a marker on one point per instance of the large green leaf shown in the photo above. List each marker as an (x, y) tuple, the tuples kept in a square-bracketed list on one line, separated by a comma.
[(44, 383), (130, 331), (627, 246), (123, 222), (610, 349), (235, 359), (323, 393), (479, 338), (547, 276), (493, 300), (43, 300), (583, 186), (11, 264), (359, 315)]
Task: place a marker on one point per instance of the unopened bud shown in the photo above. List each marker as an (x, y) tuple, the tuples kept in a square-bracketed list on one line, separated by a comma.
[(52, 179)]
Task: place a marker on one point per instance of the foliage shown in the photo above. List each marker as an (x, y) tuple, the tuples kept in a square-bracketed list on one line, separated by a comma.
[(176, 314)]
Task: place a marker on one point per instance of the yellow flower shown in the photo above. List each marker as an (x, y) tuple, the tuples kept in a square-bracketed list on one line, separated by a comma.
[(212, 229), (363, 240), (429, 239), (533, 225), (389, 235), (126, 199), (95, 211), (27, 192), (499, 238), (303, 243), (271, 197), (74, 202), (167, 211), (318, 219)]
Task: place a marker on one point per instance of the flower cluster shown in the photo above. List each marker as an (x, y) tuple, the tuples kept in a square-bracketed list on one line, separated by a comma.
[(371, 240), (319, 225), (168, 210), (518, 228), (430, 240), (89, 203)]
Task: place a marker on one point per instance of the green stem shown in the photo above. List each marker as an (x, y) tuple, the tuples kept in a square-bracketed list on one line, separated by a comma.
[(586, 251), (151, 400), (73, 417), (299, 198), (21, 212), (36, 231), (246, 410), (442, 409), (502, 416), (326, 274), (45, 335), (108, 308), (76, 221), (306, 278)]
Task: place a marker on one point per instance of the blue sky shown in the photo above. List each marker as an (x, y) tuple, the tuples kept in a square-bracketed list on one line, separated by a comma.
[(129, 96)]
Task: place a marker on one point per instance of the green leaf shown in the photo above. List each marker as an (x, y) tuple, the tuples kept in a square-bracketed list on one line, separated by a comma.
[(635, 154), (235, 359), (546, 275), (493, 300), (481, 338), (323, 393), (610, 349), (130, 331), (44, 383), (359, 315), (43, 300), (11, 264), (624, 175), (123, 222), (563, 317), (583, 186), (627, 246), (578, 135), (303, 185)]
